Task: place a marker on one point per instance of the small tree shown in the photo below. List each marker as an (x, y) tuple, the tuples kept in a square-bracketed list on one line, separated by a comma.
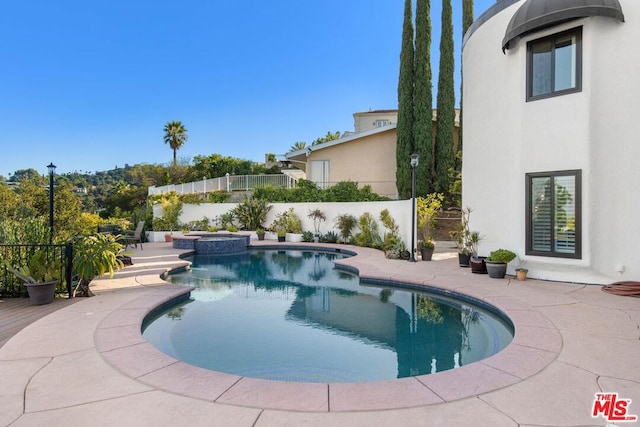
[(94, 256), (318, 218), (346, 223), (427, 209)]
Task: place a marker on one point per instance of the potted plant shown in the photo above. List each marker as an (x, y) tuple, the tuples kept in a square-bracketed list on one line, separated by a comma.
[(40, 277), (318, 217), (94, 256), (477, 263), (428, 207), (426, 249), (466, 240), (260, 233), (521, 273), (282, 234), (171, 210), (497, 262)]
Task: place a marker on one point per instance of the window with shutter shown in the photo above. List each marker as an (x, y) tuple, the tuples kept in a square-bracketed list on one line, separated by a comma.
[(553, 214)]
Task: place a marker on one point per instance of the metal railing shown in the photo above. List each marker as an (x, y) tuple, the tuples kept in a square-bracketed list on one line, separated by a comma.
[(18, 255), (227, 183)]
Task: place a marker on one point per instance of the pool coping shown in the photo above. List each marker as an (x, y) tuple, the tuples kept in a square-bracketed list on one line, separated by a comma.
[(536, 344)]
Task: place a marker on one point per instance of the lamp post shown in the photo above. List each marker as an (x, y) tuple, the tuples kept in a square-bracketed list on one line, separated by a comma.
[(52, 170), (414, 165)]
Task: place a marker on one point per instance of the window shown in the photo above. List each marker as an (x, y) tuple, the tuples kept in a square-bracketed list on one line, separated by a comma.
[(382, 123), (554, 214), (554, 65)]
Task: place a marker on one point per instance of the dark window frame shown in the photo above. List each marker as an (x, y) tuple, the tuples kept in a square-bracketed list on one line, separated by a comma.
[(577, 174), (577, 31)]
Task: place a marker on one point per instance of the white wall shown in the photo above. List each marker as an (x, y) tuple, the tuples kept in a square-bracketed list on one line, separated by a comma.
[(400, 211), (595, 130)]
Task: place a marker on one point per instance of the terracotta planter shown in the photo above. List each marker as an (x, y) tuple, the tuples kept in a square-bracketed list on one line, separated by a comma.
[(521, 274), (41, 293), (168, 238)]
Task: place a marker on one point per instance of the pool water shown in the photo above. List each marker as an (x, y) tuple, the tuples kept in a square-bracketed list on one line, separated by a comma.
[(292, 316)]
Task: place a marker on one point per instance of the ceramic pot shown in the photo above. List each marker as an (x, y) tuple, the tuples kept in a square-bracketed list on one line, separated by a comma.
[(496, 270), (41, 293)]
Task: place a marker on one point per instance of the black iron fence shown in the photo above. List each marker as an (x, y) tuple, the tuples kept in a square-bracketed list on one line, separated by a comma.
[(20, 255)]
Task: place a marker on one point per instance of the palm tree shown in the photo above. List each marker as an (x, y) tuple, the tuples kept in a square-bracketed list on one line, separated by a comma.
[(298, 145), (175, 135)]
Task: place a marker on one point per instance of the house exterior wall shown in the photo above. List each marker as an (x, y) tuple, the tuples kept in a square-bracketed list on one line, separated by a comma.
[(367, 120), (370, 160), (594, 130)]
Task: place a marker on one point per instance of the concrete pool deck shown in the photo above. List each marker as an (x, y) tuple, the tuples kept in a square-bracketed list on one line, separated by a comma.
[(87, 363)]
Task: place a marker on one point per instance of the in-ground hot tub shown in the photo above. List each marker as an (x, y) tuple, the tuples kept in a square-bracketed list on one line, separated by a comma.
[(221, 245), (212, 243)]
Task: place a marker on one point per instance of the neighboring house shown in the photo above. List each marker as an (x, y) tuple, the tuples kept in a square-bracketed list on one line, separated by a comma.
[(551, 152), (374, 119), (367, 156)]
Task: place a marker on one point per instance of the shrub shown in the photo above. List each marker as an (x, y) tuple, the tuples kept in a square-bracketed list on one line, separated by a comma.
[(288, 221), (501, 255), (201, 225), (428, 206), (252, 213), (330, 237), (346, 223), (308, 191), (369, 235)]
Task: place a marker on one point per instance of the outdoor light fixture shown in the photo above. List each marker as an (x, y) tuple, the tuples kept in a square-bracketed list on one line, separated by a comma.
[(52, 170), (414, 165)]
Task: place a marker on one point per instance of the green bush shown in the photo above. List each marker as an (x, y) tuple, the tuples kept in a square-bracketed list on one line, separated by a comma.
[(287, 221), (501, 255), (369, 235), (329, 237), (252, 213), (307, 191), (346, 223)]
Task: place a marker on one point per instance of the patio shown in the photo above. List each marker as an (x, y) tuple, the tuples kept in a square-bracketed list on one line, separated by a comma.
[(86, 364)]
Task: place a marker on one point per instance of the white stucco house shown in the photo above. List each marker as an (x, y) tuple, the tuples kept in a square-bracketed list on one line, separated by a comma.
[(551, 164)]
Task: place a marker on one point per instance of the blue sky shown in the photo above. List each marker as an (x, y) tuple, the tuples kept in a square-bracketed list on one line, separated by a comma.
[(89, 85)]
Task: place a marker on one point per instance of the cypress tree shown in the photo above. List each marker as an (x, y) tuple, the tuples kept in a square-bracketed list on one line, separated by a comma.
[(423, 99), (445, 104), (404, 147), (467, 20)]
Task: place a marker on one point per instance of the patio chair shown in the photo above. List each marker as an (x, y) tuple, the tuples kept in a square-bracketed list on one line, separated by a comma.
[(135, 237)]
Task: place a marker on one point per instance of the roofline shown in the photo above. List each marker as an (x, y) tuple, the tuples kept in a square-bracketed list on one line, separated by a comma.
[(350, 137)]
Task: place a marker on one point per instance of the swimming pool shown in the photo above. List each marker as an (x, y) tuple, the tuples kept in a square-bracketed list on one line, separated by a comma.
[(289, 315)]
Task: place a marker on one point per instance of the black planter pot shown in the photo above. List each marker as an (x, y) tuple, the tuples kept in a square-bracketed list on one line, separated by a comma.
[(426, 254), (496, 270), (478, 265), (281, 238), (463, 259)]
